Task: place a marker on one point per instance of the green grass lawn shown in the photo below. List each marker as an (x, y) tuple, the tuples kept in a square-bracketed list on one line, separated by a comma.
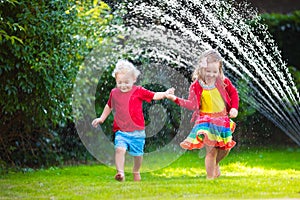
[(246, 174)]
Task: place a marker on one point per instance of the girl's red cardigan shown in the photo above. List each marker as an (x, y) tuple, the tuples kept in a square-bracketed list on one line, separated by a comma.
[(225, 87)]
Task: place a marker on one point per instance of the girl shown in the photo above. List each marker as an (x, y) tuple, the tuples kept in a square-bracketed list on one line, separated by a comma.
[(129, 126), (212, 97)]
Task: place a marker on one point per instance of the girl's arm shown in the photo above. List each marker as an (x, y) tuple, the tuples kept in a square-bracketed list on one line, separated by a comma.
[(103, 116), (192, 102), (234, 97), (233, 94)]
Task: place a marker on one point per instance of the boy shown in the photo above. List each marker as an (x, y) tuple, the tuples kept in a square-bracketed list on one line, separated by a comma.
[(129, 126)]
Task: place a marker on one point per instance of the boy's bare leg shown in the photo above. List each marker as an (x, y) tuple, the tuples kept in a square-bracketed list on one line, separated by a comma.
[(136, 167), (120, 162)]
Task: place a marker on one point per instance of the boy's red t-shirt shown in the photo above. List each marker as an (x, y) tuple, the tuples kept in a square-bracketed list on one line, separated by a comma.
[(128, 108)]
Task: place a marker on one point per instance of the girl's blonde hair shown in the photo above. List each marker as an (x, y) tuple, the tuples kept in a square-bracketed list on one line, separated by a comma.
[(124, 66), (211, 56)]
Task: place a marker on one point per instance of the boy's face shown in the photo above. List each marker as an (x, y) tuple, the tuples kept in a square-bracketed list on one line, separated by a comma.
[(125, 81)]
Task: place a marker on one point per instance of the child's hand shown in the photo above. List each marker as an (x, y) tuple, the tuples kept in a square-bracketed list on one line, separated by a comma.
[(96, 122), (170, 94), (171, 97), (233, 113), (170, 91)]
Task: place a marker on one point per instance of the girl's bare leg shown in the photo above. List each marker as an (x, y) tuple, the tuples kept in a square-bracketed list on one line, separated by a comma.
[(136, 167), (220, 155), (210, 161), (120, 162)]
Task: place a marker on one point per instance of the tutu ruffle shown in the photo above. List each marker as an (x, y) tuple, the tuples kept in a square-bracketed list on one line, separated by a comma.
[(210, 131)]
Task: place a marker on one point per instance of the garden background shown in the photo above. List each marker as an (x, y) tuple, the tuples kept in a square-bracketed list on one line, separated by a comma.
[(43, 45)]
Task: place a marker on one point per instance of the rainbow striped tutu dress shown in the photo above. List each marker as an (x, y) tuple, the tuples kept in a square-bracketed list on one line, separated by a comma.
[(212, 126)]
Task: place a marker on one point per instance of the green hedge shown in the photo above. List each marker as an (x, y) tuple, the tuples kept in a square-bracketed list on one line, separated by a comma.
[(42, 45), (286, 32)]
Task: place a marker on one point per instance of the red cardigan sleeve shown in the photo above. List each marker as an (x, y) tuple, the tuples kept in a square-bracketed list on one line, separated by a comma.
[(192, 103), (232, 93)]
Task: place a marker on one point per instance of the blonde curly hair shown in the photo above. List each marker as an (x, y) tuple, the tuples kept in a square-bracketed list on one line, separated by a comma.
[(124, 66), (209, 56)]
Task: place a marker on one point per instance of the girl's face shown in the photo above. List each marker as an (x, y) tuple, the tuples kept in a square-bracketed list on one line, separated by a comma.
[(125, 81), (211, 72)]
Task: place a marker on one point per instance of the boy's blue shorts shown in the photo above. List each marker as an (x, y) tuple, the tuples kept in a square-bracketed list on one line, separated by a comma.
[(133, 142)]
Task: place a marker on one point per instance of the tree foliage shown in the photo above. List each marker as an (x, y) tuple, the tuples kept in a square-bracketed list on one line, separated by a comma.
[(43, 44)]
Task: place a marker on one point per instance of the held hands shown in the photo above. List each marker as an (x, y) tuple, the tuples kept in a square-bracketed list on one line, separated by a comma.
[(170, 91), (162, 95), (171, 97), (170, 94), (233, 113)]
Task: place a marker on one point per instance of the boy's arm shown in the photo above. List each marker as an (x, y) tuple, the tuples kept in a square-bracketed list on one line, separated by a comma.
[(159, 95), (103, 116), (105, 113), (162, 95)]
